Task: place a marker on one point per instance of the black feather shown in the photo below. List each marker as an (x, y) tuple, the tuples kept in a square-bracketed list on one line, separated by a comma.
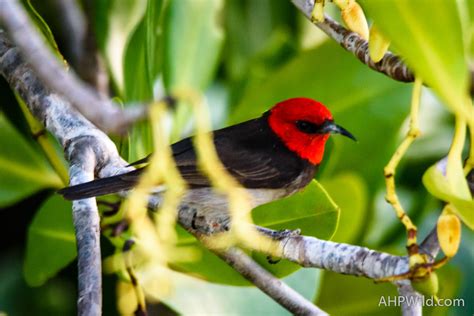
[(250, 151)]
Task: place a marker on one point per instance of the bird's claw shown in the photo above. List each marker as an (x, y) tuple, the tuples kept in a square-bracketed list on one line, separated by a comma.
[(280, 234), (273, 260)]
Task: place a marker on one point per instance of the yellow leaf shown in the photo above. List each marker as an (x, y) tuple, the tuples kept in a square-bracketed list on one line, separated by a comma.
[(449, 233), (354, 17), (378, 44)]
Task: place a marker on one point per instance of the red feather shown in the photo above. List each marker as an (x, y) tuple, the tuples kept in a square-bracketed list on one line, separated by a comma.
[(282, 121)]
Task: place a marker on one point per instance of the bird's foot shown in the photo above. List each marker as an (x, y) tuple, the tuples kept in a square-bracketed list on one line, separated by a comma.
[(108, 208), (279, 234), (272, 259)]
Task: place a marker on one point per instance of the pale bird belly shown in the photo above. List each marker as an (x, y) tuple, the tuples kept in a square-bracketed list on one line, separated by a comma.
[(207, 211)]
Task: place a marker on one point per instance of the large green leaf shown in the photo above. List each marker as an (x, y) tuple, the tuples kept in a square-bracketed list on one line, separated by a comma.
[(51, 243), (44, 28), (192, 42), (251, 52), (310, 210), (363, 296), (23, 169), (142, 63), (142, 60), (349, 191), (345, 295), (430, 37), (195, 297), (367, 103), (116, 21), (438, 185)]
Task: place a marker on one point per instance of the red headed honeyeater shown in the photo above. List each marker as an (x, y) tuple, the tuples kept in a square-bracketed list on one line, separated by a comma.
[(272, 157)]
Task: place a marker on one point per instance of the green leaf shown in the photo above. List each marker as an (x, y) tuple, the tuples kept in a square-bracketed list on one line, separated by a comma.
[(192, 43), (438, 185), (121, 19), (369, 298), (368, 104), (208, 267), (23, 169), (252, 51), (153, 39), (344, 294), (44, 29), (51, 243), (142, 52), (137, 87), (310, 210), (196, 297), (429, 36), (352, 200)]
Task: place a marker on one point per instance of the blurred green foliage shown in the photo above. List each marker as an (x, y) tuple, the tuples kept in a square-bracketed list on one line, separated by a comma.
[(246, 56)]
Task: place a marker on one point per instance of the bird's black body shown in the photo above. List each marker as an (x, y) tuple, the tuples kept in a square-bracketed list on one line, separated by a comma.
[(250, 151)]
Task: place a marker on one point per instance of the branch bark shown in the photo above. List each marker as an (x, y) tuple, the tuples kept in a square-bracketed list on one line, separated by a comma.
[(390, 65), (95, 107), (88, 150), (273, 287)]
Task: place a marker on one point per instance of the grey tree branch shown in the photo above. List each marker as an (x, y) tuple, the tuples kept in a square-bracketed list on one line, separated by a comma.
[(89, 152), (390, 65), (87, 226), (77, 29), (273, 287), (91, 64), (99, 110), (72, 28)]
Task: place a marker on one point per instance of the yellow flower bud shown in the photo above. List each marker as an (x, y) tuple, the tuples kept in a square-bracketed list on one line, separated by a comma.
[(378, 44), (353, 16), (449, 233)]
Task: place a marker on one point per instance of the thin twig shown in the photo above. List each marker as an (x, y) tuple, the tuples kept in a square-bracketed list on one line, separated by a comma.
[(78, 32), (91, 66), (390, 65), (72, 29), (99, 110), (273, 287)]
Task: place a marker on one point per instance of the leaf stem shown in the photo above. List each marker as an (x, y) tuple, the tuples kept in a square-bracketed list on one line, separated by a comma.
[(470, 160), (455, 152), (389, 170)]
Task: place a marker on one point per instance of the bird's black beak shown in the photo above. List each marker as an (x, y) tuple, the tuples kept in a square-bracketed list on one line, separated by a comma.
[(330, 127)]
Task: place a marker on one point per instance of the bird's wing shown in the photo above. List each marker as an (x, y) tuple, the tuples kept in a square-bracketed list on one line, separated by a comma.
[(249, 156), (248, 153), (249, 167)]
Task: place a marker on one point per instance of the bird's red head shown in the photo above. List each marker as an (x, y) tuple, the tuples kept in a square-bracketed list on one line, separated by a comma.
[(304, 126)]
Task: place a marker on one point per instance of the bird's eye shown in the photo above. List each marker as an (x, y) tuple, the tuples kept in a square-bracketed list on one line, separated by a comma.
[(307, 127)]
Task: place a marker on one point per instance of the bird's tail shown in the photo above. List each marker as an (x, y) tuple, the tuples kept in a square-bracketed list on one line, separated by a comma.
[(97, 187)]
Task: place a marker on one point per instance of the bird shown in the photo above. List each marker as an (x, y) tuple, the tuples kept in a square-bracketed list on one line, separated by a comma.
[(272, 157)]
